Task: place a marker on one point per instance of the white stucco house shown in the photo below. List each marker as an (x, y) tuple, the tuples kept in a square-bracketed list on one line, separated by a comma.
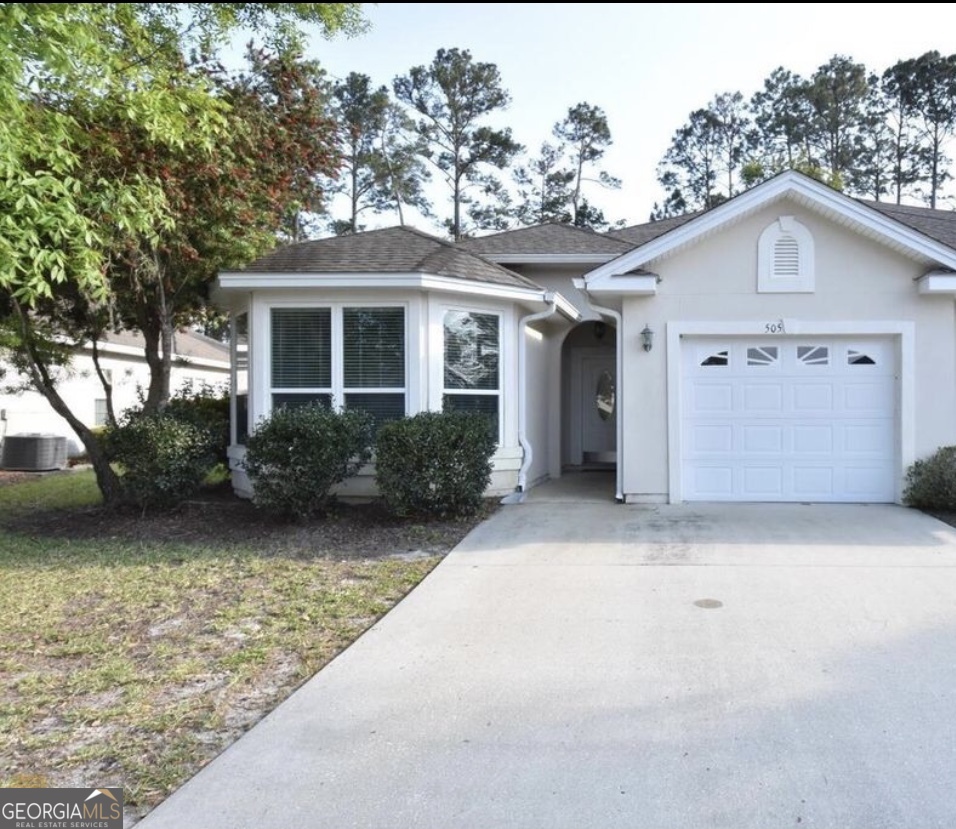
[(791, 344), (197, 360)]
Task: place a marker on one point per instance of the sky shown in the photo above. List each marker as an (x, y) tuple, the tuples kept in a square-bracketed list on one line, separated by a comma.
[(648, 65)]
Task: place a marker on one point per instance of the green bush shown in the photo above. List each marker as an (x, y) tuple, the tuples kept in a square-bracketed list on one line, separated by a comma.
[(207, 407), (298, 454), (434, 464), (164, 459), (931, 482)]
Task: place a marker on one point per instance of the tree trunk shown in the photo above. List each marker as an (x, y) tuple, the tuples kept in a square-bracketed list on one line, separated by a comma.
[(106, 479), (107, 385)]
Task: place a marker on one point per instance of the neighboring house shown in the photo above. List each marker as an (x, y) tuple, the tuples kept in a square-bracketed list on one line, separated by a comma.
[(791, 344), (197, 359)]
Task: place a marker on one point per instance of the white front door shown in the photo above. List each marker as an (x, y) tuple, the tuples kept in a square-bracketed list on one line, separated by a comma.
[(598, 408), (789, 419)]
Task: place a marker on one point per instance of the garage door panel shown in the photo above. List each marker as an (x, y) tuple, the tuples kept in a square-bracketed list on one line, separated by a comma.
[(813, 482), (762, 483), (812, 438), (765, 397), (712, 397), (812, 398), (793, 419), (762, 439), (709, 440)]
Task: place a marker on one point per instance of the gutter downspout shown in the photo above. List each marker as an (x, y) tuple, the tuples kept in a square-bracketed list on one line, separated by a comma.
[(526, 448), (582, 286)]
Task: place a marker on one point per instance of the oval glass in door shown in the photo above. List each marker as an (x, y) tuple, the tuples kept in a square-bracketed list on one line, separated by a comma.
[(604, 395)]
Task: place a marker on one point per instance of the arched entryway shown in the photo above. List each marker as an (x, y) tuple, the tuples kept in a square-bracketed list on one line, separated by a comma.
[(589, 397)]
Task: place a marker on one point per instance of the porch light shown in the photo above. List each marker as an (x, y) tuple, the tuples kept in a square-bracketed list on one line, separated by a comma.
[(647, 338)]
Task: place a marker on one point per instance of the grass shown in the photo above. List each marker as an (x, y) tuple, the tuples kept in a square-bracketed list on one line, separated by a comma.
[(132, 662)]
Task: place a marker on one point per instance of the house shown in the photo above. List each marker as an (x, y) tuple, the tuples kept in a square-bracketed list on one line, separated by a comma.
[(790, 344), (197, 359)]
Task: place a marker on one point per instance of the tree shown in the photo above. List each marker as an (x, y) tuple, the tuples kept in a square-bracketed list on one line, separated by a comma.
[(585, 133), (381, 170), (781, 113), (837, 93), (873, 174), (452, 97), (688, 171), (544, 187), (897, 87), (934, 102), (110, 142), (734, 136)]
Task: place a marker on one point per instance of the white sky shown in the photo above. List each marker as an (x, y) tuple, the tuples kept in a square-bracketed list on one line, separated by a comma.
[(648, 65)]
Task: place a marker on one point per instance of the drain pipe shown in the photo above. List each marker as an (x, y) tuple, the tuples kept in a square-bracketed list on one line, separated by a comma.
[(582, 286), (526, 448)]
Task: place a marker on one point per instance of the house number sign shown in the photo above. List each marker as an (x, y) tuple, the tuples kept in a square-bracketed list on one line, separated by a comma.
[(775, 327)]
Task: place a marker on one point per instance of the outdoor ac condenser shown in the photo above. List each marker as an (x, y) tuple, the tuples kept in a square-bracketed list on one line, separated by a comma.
[(33, 453)]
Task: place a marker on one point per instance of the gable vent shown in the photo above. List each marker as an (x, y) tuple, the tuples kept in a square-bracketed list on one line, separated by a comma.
[(786, 258)]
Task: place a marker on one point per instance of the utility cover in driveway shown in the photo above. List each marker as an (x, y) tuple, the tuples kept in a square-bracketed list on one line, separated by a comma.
[(789, 419)]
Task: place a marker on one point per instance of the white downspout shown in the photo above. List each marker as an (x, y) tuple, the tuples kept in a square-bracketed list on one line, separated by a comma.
[(526, 448), (618, 369)]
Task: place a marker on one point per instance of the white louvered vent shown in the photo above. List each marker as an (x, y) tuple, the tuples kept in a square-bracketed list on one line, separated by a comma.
[(786, 258)]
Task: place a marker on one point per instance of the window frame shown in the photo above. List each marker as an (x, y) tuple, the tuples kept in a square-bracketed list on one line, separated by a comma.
[(498, 391), (338, 390)]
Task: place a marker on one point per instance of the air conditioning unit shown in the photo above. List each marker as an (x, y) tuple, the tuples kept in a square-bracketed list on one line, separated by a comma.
[(33, 453)]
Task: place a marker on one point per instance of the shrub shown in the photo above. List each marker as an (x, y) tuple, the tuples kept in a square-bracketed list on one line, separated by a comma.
[(164, 459), (298, 454), (931, 482), (434, 464), (207, 407)]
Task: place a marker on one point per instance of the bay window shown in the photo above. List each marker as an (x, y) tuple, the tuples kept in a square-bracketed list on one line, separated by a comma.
[(350, 356), (472, 364)]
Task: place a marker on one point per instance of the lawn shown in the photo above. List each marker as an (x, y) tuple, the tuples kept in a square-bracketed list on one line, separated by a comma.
[(134, 649)]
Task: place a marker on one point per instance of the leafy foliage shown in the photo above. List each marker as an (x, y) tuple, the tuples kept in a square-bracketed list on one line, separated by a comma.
[(164, 458), (207, 407), (452, 97), (297, 454), (931, 481), (382, 164), (435, 463)]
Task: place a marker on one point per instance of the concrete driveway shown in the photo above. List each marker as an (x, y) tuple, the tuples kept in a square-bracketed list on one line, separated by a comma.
[(590, 665)]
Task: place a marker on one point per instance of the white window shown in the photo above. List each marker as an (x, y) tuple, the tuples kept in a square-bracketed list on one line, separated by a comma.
[(100, 412), (472, 368), (785, 258), (347, 356)]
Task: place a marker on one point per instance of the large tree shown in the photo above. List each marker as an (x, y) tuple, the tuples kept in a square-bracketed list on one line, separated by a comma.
[(689, 169), (452, 98), (781, 114), (132, 173), (382, 170), (934, 103), (544, 187), (898, 91), (585, 135)]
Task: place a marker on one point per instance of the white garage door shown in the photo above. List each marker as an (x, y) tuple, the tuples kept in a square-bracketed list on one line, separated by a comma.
[(788, 419)]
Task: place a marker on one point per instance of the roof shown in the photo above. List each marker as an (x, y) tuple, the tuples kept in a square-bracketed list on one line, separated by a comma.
[(546, 239), (937, 224), (638, 235), (187, 344), (389, 251)]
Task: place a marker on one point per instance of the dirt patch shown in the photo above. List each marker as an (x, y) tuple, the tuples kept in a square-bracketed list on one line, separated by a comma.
[(219, 518)]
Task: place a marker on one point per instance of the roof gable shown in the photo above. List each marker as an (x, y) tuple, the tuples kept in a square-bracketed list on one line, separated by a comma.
[(869, 219)]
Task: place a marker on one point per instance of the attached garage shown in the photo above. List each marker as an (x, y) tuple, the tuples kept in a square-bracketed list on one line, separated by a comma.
[(789, 419)]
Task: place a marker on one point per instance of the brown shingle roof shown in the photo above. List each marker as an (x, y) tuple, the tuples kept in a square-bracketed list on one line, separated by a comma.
[(937, 224), (392, 250), (638, 235), (550, 238)]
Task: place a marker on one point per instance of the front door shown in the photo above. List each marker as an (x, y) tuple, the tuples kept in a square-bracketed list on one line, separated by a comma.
[(598, 401)]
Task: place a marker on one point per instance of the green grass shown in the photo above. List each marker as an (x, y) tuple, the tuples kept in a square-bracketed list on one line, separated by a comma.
[(132, 663)]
